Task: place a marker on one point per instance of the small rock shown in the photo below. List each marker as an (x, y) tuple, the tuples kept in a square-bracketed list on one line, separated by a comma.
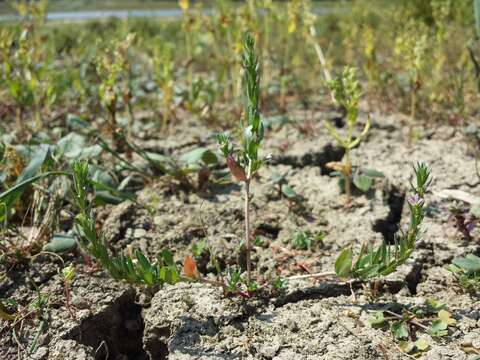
[(139, 233), (79, 302)]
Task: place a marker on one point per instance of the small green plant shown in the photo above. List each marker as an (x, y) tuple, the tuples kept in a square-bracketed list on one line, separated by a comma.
[(199, 247), (284, 189), (361, 179), (411, 46), (474, 44), (305, 240), (163, 69), (68, 274), (346, 92), (135, 269), (37, 310), (247, 161), (114, 70), (467, 271), (410, 326), (200, 161), (380, 261)]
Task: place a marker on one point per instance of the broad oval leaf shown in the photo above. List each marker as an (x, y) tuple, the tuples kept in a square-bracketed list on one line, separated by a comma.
[(362, 182), (343, 264)]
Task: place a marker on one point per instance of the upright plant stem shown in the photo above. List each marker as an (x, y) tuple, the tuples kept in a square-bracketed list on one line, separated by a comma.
[(19, 116), (321, 57), (247, 231), (413, 108), (346, 174)]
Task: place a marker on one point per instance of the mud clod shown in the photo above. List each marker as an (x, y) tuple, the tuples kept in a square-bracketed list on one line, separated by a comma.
[(389, 226), (115, 333), (315, 158)]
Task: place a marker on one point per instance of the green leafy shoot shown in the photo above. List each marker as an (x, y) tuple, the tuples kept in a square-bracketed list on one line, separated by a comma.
[(467, 271), (134, 268), (247, 159), (305, 240), (372, 261), (346, 92), (284, 190), (414, 322), (246, 162)]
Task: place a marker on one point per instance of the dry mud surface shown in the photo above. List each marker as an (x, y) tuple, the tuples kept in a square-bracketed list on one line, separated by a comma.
[(313, 319)]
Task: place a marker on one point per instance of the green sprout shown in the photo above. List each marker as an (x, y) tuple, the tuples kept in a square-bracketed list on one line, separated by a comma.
[(134, 268), (467, 271), (164, 76), (346, 92), (305, 240), (373, 262), (413, 322), (411, 46), (114, 70), (247, 161), (68, 273)]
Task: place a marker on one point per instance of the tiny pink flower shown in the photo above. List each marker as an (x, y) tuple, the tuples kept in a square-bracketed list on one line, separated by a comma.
[(415, 200)]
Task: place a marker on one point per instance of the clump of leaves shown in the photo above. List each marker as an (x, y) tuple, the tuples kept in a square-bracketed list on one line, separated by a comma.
[(305, 240), (135, 268), (382, 260), (199, 161), (361, 179), (407, 324), (283, 188), (245, 162), (346, 92), (467, 271)]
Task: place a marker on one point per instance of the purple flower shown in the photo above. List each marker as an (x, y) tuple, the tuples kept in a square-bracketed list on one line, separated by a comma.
[(415, 200)]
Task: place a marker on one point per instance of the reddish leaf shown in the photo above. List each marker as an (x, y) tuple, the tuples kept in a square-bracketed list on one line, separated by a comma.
[(190, 267), (237, 171)]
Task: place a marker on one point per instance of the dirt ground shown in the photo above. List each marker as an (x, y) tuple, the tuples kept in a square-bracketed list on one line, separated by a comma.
[(313, 319)]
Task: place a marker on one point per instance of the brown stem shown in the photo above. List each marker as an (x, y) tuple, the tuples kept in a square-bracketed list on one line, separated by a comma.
[(67, 300), (413, 109), (247, 230), (19, 116), (411, 320), (112, 109)]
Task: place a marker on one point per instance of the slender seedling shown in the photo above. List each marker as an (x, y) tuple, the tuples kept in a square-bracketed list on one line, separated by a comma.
[(247, 162), (346, 92), (385, 259), (381, 261), (68, 274)]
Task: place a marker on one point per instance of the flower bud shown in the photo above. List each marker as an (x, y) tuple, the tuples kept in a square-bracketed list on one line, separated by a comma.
[(68, 273), (415, 200), (236, 170)]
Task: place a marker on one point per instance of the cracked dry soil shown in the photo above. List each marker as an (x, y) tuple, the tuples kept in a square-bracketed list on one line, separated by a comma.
[(313, 319)]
